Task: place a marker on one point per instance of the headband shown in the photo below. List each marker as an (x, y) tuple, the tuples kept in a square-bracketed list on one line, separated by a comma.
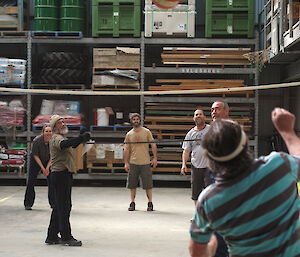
[(235, 153)]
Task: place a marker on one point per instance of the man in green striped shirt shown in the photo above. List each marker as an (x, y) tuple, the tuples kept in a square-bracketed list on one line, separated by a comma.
[(254, 203)]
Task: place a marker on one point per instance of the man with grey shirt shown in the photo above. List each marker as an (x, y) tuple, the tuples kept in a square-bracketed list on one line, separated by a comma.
[(200, 174)]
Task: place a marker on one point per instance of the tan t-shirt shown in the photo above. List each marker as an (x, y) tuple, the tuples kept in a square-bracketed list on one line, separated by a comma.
[(139, 153), (61, 159)]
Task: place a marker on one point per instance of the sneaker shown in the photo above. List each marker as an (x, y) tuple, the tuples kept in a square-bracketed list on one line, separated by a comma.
[(131, 206), (150, 206), (71, 242), (52, 241), (28, 208)]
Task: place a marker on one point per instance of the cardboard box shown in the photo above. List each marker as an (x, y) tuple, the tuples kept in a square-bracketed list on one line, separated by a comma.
[(116, 57)]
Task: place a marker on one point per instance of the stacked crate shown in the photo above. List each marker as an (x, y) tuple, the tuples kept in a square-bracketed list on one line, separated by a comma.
[(229, 18), (116, 68), (11, 16), (116, 17), (170, 122), (178, 21)]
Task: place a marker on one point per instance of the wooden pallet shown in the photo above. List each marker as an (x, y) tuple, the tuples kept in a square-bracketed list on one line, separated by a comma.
[(115, 87), (105, 165), (115, 128), (15, 22), (103, 68), (57, 34), (14, 34), (205, 56), (59, 86)]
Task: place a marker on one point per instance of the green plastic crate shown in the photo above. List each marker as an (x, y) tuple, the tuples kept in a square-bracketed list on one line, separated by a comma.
[(116, 17), (230, 5), (227, 24)]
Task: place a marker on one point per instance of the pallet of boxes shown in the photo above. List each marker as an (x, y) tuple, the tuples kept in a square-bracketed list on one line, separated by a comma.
[(12, 160), (12, 72), (105, 158), (116, 68)]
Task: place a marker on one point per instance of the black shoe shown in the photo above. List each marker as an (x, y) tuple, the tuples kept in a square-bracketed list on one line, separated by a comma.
[(28, 208), (71, 242), (150, 206), (131, 206), (52, 242)]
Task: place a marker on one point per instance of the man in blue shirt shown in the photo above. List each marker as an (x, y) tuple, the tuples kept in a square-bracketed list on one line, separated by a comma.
[(254, 203)]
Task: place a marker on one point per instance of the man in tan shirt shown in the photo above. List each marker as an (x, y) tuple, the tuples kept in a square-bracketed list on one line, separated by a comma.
[(137, 160)]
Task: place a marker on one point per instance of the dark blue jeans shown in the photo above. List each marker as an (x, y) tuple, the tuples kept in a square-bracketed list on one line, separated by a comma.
[(29, 197), (60, 216)]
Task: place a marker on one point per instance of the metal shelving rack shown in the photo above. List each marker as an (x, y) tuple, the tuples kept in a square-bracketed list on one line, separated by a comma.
[(142, 42), (192, 70)]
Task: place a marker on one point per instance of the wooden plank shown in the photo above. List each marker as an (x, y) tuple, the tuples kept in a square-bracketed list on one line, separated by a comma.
[(212, 62), (231, 56), (233, 81), (167, 48), (9, 10)]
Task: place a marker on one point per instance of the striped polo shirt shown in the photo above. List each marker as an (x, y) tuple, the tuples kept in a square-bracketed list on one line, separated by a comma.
[(256, 211)]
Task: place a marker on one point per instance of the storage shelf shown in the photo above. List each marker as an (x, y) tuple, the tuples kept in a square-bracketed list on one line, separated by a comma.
[(14, 40), (197, 99), (135, 41)]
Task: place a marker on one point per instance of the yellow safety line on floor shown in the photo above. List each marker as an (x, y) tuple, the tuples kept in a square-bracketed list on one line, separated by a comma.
[(169, 92), (6, 198)]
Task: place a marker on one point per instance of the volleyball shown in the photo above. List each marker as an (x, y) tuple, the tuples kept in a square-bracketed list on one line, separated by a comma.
[(166, 4)]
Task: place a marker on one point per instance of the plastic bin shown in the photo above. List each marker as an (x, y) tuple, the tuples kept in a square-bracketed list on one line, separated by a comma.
[(227, 24), (116, 17)]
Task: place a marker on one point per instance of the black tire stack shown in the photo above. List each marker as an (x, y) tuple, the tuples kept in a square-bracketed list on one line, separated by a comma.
[(63, 68)]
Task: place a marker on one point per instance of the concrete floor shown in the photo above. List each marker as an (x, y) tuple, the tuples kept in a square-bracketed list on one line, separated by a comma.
[(100, 219)]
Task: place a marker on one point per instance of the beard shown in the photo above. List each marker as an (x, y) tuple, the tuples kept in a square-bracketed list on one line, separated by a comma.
[(200, 122), (135, 124), (63, 131)]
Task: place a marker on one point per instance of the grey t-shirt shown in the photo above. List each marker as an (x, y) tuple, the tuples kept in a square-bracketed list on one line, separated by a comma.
[(197, 157), (41, 149), (61, 159)]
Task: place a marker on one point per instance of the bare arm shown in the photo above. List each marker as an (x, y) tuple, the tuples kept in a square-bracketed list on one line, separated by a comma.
[(48, 166), (126, 157), (185, 158), (154, 152), (39, 162), (284, 122), (203, 250)]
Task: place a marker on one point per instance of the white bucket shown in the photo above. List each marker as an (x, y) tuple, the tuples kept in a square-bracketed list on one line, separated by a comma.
[(102, 117)]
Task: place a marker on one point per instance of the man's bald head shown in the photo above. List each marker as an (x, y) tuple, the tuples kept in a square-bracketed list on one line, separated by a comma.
[(219, 110)]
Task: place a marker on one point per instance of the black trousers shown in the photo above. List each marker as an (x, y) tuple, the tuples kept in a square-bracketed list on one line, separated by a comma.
[(60, 216), (29, 197)]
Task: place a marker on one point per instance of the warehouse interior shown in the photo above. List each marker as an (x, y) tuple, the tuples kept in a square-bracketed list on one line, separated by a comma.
[(97, 61)]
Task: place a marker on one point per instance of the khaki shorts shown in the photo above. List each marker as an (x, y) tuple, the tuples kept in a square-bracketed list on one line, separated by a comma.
[(137, 171)]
